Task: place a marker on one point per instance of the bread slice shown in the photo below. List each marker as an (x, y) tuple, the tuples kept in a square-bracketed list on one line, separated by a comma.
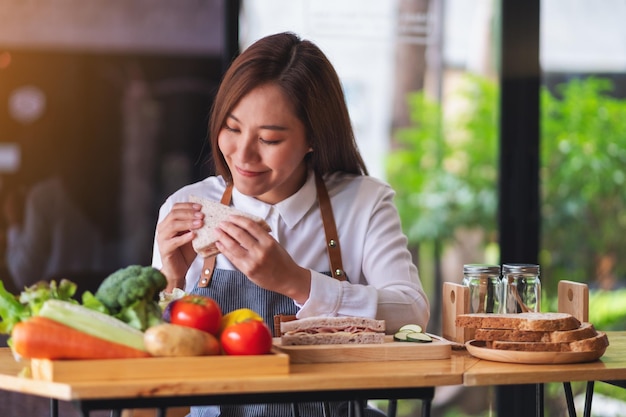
[(528, 346), (332, 331), (591, 344), (333, 324), (337, 338), (215, 212), (586, 330), (520, 321)]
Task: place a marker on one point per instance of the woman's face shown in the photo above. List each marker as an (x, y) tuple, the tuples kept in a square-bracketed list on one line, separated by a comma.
[(264, 144)]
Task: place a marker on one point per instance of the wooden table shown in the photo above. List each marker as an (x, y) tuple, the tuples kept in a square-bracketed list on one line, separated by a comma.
[(304, 382), (314, 382), (611, 368)]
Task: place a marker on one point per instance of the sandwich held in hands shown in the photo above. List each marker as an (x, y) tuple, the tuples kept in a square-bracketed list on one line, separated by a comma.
[(214, 213), (332, 330)]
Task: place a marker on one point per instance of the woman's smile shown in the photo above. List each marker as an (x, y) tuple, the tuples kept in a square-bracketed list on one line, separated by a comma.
[(248, 173)]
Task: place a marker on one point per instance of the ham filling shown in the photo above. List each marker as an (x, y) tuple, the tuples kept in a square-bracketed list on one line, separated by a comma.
[(320, 330)]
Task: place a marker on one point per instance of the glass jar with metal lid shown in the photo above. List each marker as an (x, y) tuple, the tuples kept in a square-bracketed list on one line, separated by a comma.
[(521, 288), (485, 293)]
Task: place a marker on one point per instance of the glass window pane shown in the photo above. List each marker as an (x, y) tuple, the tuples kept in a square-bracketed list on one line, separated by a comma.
[(583, 170)]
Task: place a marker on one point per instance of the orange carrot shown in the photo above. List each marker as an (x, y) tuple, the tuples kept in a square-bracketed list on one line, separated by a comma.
[(40, 337)]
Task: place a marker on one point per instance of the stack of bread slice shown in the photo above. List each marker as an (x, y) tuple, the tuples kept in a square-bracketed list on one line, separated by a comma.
[(534, 332)]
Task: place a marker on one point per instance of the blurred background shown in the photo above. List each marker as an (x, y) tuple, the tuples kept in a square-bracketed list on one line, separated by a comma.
[(104, 105), (113, 97)]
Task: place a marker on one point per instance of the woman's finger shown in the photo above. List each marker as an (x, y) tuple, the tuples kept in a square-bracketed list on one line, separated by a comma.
[(182, 218)]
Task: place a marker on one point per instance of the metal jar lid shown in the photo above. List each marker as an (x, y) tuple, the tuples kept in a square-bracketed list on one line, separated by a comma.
[(483, 269), (525, 269)]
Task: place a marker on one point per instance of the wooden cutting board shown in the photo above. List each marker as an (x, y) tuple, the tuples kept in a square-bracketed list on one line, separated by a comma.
[(391, 350), (276, 363), (477, 349)]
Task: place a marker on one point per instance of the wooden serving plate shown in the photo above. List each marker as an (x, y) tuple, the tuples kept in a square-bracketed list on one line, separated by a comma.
[(477, 348), (275, 363), (391, 350)]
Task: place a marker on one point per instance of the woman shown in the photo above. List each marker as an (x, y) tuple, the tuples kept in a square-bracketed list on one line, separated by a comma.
[(282, 143)]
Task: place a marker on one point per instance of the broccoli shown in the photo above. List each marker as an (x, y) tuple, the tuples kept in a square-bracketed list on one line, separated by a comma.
[(132, 293)]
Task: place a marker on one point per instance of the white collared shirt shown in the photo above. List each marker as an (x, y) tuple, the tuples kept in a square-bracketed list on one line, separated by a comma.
[(383, 281)]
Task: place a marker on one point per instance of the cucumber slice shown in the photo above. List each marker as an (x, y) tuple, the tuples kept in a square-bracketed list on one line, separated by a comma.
[(418, 337), (401, 336), (415, 328)]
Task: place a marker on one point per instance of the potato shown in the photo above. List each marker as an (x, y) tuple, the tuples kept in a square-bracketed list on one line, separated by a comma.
[(169, 339)]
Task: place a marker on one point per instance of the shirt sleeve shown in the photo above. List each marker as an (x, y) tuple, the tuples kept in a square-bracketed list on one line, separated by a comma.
[(383, 280), (331, 297)]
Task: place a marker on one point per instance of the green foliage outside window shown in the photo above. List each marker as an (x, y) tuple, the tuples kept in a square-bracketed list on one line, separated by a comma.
[(583, 175), (445, 169)]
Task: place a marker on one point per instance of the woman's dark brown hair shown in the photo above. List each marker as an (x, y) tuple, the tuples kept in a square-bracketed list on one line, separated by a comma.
[(310, 82)]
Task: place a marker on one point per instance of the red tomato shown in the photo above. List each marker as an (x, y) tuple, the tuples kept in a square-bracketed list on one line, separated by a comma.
[(197, 311), (250, 337)]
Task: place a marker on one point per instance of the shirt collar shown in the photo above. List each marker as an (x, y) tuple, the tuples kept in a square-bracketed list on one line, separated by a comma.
[(291, 210), (250, 204)]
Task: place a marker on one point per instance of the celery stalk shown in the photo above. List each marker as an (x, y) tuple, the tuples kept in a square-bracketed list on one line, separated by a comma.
[(93, 323)]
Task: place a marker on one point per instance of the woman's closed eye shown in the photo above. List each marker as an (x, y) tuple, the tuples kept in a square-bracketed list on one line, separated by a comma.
[(262, 140), (269, 142)]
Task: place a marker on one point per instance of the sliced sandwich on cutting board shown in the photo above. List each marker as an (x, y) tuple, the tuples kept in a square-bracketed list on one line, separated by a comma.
[(352, 339), (332, 330)]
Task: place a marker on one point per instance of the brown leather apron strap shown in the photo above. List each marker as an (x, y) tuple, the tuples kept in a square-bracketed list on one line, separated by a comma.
[(332, 245), (330, 231), (209, 263)]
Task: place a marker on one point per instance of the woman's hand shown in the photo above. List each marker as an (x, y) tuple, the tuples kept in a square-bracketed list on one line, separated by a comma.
[(260, 257), (174, 235)]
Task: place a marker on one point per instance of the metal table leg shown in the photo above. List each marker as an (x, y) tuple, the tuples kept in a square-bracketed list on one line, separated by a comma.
[(588, 399), (392, 408), (539, 399), (426, 403), (569, 399), (54, 407)]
